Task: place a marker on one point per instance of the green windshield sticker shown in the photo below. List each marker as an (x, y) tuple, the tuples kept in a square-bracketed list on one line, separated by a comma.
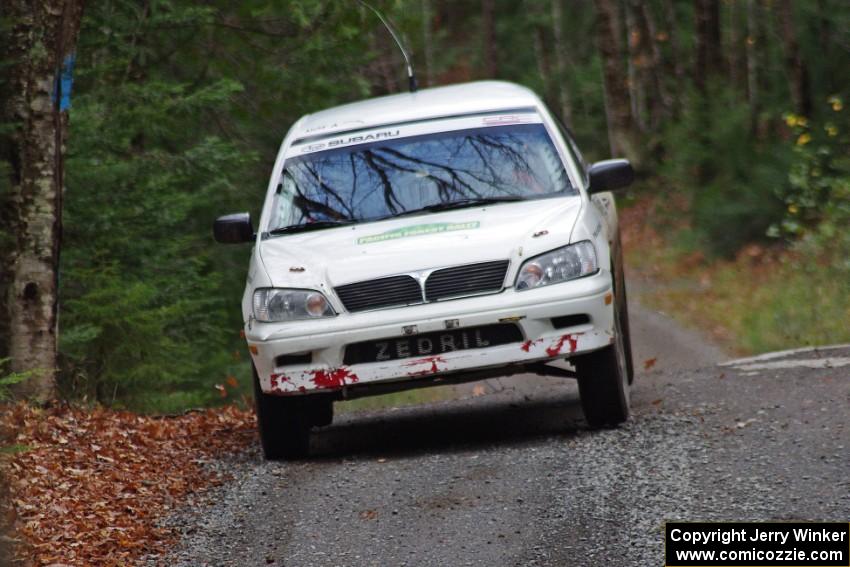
[(418, 230)]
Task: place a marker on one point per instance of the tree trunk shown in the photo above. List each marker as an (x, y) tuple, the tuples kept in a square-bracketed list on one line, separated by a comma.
[(544, 68), (736, 46), (754, 42), (637, 93), (826, 41), (488, 27), (675, 61), (708, 65), (427, 42), (795, 67), (386, 69), (648, 103), (621, 134), (663, 105), (561, 56), (41, 45), (709, 59)]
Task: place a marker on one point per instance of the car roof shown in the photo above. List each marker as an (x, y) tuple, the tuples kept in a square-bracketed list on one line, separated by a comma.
[(455, 100)]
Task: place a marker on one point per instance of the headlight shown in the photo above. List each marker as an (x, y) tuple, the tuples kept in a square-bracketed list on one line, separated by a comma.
[(559, 265), (272, 305)]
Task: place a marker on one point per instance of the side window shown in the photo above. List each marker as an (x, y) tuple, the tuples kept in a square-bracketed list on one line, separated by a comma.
[(574, 151), (281, 209)]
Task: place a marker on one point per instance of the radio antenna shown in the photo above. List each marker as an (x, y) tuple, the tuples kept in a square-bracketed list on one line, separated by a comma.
[(411, 75)]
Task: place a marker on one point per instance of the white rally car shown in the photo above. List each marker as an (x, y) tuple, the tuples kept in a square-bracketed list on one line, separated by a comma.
[(446, 235)]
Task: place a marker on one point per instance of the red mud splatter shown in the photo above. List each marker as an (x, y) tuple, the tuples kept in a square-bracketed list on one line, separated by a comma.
[(556, 347), (526, 346), (332, 378), (277, 380), (432, 360)]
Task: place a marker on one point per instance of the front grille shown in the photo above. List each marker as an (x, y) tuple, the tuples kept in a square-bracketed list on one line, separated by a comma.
[(385, 292), (432, 344), (487, 277), (397, 291)]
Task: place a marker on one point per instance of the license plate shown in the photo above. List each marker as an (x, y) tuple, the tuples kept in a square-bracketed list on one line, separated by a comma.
[(433, 343)]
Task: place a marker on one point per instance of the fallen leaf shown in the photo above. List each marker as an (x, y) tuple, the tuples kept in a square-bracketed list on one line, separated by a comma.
[(649, 363), (67, 507)]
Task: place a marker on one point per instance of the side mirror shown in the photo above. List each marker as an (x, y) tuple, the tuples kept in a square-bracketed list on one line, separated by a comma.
[(233, 229), (610, 174)]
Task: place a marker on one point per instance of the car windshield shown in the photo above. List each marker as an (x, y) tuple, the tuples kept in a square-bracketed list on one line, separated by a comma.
[(419, 174)]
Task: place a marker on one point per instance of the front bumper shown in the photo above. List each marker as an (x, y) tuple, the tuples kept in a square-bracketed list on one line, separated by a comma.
[(532, 311)]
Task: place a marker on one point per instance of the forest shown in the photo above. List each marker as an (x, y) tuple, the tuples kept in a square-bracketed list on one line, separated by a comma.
[(128, 126)]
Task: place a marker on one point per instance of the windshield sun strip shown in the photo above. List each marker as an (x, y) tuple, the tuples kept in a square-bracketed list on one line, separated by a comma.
[(406, 130), (330, 135)]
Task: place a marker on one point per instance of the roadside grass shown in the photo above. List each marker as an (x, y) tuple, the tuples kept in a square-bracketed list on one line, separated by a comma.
[(764, 299), (799, 308)]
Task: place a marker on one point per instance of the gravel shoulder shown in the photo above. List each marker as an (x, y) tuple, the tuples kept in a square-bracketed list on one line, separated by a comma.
[(513, 477)]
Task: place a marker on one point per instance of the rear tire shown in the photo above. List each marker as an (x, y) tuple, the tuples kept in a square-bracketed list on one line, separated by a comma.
[(284, 422), (603, 379)]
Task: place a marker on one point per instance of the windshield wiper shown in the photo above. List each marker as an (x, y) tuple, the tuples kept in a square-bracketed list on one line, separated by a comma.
[(447, 206), (318, 225), (460, 204)]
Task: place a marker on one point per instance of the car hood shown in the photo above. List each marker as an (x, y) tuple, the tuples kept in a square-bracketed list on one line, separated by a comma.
[(366, 251)]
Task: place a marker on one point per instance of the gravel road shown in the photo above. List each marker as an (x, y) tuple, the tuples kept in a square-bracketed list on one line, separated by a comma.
[(513, 477)]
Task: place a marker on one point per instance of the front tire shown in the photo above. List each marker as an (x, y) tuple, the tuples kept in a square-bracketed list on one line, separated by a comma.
[(623, 306), (284, 422), (603, 380)]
